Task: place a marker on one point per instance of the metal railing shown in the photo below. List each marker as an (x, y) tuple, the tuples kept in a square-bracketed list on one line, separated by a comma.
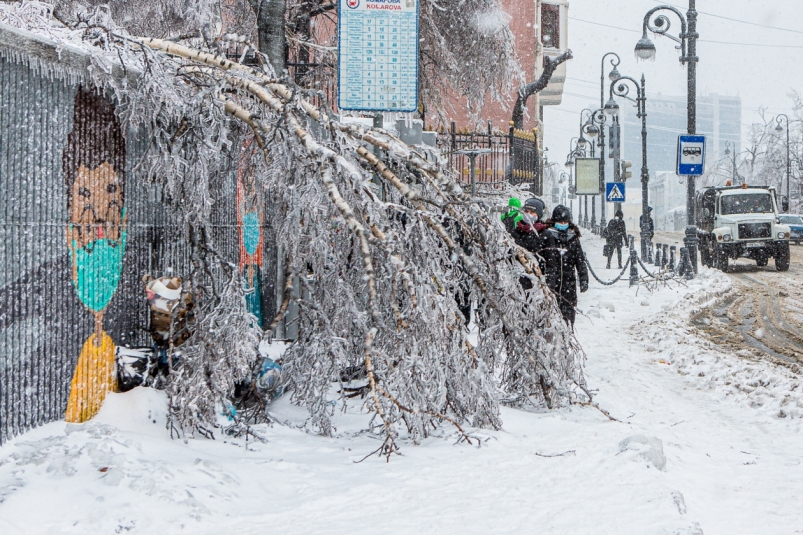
[(509, 157)]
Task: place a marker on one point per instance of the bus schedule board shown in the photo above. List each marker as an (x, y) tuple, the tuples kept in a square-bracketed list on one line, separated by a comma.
[(378, 55)]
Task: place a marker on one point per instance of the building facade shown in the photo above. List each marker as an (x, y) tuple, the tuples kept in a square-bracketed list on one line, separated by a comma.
[(719, 118), (539, 28)]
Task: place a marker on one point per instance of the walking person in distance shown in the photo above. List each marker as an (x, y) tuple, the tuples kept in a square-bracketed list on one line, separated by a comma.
[(615, 237)]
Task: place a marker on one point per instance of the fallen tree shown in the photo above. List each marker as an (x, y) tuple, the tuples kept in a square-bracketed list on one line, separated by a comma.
[(376, 272)]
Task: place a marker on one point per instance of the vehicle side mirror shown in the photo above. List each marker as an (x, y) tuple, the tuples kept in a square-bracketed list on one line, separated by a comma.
[(707, 213), (784, 204)]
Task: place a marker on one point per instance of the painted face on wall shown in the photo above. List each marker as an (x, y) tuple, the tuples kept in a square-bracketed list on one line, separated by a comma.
[(94, 172), (97, 205)]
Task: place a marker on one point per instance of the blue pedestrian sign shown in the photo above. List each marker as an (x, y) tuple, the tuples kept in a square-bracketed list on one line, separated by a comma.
[(691, 155), (614, 192)]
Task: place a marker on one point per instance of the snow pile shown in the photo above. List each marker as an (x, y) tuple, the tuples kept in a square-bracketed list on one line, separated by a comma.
[(764, 387), (687, 455)]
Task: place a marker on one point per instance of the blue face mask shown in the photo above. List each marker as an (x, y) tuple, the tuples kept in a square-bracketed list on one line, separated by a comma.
[(98, 266), (562, 226)]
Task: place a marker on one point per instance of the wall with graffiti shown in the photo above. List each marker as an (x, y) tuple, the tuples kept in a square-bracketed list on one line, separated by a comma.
[(79, 229)]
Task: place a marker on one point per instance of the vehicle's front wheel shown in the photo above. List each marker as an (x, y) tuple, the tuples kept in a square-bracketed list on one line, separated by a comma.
[(720, 258), (782, 256)]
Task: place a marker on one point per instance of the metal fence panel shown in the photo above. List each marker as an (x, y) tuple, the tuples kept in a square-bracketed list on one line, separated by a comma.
[(510, 158)]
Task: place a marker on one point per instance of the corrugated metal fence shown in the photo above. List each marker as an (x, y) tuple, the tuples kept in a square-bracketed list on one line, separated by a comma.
[(79, 228)]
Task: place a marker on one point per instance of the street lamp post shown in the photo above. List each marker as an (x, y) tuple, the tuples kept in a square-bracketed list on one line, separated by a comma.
[(568, 165), (593, 126), (621, 88), (779, 128), (563, 178), (727, 154), (613, 75), (580, 151), (645, 49), (576, 151)]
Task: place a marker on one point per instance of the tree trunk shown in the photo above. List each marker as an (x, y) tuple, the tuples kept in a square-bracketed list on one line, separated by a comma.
[(270, 30), (531, 89)]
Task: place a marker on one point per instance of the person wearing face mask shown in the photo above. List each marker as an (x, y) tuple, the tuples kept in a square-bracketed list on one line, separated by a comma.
[(529, 226), (562, 261)]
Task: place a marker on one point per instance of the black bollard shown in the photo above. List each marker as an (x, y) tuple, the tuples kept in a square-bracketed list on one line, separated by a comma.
[(665, 256), (658, 254), (685, 269), (633, 262), (672, 258)]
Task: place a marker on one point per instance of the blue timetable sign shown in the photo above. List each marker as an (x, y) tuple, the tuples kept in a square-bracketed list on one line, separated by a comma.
[(378, 55)]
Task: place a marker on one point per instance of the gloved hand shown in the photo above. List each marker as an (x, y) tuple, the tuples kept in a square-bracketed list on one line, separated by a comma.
[(583, 287)]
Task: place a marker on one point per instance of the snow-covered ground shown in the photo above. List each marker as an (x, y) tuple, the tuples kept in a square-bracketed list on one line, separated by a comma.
[(705, 443)]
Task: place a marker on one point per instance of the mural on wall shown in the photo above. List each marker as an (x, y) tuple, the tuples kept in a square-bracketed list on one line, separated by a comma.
[(250, 221), (93, 163)]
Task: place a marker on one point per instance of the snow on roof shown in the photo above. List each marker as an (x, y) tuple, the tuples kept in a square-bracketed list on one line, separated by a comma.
[(30, 36)]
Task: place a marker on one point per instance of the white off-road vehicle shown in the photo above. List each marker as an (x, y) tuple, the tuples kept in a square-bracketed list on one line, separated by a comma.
[(741, 222)]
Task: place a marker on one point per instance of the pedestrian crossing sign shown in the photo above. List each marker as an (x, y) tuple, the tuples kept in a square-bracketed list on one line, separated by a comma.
[(615, 192)]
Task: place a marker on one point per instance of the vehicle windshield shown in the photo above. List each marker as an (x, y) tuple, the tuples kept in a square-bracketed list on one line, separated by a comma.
[(747, 203), (791, 220)]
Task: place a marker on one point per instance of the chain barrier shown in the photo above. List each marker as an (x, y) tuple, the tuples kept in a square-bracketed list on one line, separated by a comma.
[(647, 271), (609, 283)]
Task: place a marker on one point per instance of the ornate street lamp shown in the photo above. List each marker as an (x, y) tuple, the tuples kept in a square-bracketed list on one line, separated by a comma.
[(621, 88), (727, 153), (779, 129), (687, 39), (592, 125), (576, 152), (565, 178), (613, 75)]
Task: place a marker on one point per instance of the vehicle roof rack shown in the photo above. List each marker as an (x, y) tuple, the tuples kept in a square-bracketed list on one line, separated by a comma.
[(725, 188)]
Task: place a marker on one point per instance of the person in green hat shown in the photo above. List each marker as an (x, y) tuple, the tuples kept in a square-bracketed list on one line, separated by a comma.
[(513, 215)]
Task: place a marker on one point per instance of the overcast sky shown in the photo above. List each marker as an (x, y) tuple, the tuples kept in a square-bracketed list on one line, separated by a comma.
[(760, 61)]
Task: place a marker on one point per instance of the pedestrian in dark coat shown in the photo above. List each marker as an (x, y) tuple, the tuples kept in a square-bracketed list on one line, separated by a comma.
[(525, 230), (563, 261), (615, 236), (650, 222), (529, 226)]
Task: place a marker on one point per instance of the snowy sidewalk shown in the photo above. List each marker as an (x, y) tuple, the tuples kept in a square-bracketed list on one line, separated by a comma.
[(701, 447)]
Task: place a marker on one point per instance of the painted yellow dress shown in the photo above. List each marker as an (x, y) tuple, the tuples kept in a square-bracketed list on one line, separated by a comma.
[(97, 268)]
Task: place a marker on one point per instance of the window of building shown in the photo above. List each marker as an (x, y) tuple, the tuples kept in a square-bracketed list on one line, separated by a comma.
[(550, 26)]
